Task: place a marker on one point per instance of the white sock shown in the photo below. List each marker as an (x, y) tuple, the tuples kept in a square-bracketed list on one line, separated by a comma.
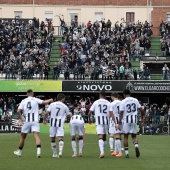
[(101, 146), (119, 147), (111, 140), (53, 147), (105, 143), (20, 151), (73, 144), (61, 145), (126, 151), (115, 145), (80, 145), (39, 150), (136, 145)]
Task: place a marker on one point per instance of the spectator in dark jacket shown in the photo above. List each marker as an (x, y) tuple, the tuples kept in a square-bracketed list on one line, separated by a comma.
[(56, 72), (146, 73), (81, 72), (76, 72), (135, 73)]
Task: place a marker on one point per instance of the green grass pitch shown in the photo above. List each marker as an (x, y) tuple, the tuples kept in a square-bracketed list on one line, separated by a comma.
[(155, 154)]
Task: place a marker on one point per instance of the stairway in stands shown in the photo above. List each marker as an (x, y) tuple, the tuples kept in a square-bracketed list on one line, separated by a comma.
[(156, 51), (156, 76), (135, 64), (155, 46), (55, 55)]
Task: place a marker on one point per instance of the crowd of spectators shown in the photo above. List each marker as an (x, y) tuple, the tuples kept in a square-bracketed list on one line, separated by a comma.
[(154, 114), (25, 48), (165, 38), (7, 107), (101, 48)]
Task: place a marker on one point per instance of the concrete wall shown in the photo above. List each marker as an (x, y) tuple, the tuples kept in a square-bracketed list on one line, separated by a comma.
[(85, 13), (112, 9)]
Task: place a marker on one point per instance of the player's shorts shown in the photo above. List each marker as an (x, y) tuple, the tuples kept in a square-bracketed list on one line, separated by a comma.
[(102, 129), (56, 131), (76, 128), (30, 127), (129, 128), (112, 130)]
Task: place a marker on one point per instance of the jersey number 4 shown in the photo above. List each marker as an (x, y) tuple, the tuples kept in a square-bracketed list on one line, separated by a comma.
[(29, 105), (103, 108)]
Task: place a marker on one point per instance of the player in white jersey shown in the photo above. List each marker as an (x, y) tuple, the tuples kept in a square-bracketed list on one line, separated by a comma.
[(77, 125), (29, 107), (128, 112), (115, 133), (102, 115), (58, 112)]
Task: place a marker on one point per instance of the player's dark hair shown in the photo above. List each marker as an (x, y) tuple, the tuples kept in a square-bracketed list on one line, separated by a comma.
[(114, 94), (120, 97), (126, 92), (29, 91), (60, 96), (103, 94)]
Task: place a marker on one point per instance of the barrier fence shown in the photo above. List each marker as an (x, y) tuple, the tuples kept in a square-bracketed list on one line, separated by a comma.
[(150, 127), (85, 86)]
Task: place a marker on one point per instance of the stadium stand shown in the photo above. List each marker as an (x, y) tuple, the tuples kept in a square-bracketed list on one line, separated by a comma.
[(25, 49), (100, 51)]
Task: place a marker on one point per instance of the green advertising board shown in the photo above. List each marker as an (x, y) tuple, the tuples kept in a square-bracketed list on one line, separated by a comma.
[(36, 85)]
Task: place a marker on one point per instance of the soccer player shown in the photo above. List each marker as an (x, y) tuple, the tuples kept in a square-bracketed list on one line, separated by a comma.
[(115, 133), (29, 107), (128, 112), (58, 112), (101, 109), (77, 125)]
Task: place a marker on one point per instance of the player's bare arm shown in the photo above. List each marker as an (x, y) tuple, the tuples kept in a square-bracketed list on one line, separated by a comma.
[(45, 116), (69, 116), (112, 116), (120, 119), (47, 101), (19, 111), (141, 113), (89, 117)]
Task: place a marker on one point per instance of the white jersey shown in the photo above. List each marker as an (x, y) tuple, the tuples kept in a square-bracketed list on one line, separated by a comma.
[(58, 112), (101, 109), (115, 108), (130, 108), (30, 107), (77, 119)]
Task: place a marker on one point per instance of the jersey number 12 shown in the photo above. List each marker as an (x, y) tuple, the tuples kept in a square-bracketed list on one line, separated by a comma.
[(103, 108)]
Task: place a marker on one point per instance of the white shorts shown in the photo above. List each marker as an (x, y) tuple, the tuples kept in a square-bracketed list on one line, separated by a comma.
[(102, 129), (112, 130), (129, 128), (56, 131), (30, 127), (76, 128)]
